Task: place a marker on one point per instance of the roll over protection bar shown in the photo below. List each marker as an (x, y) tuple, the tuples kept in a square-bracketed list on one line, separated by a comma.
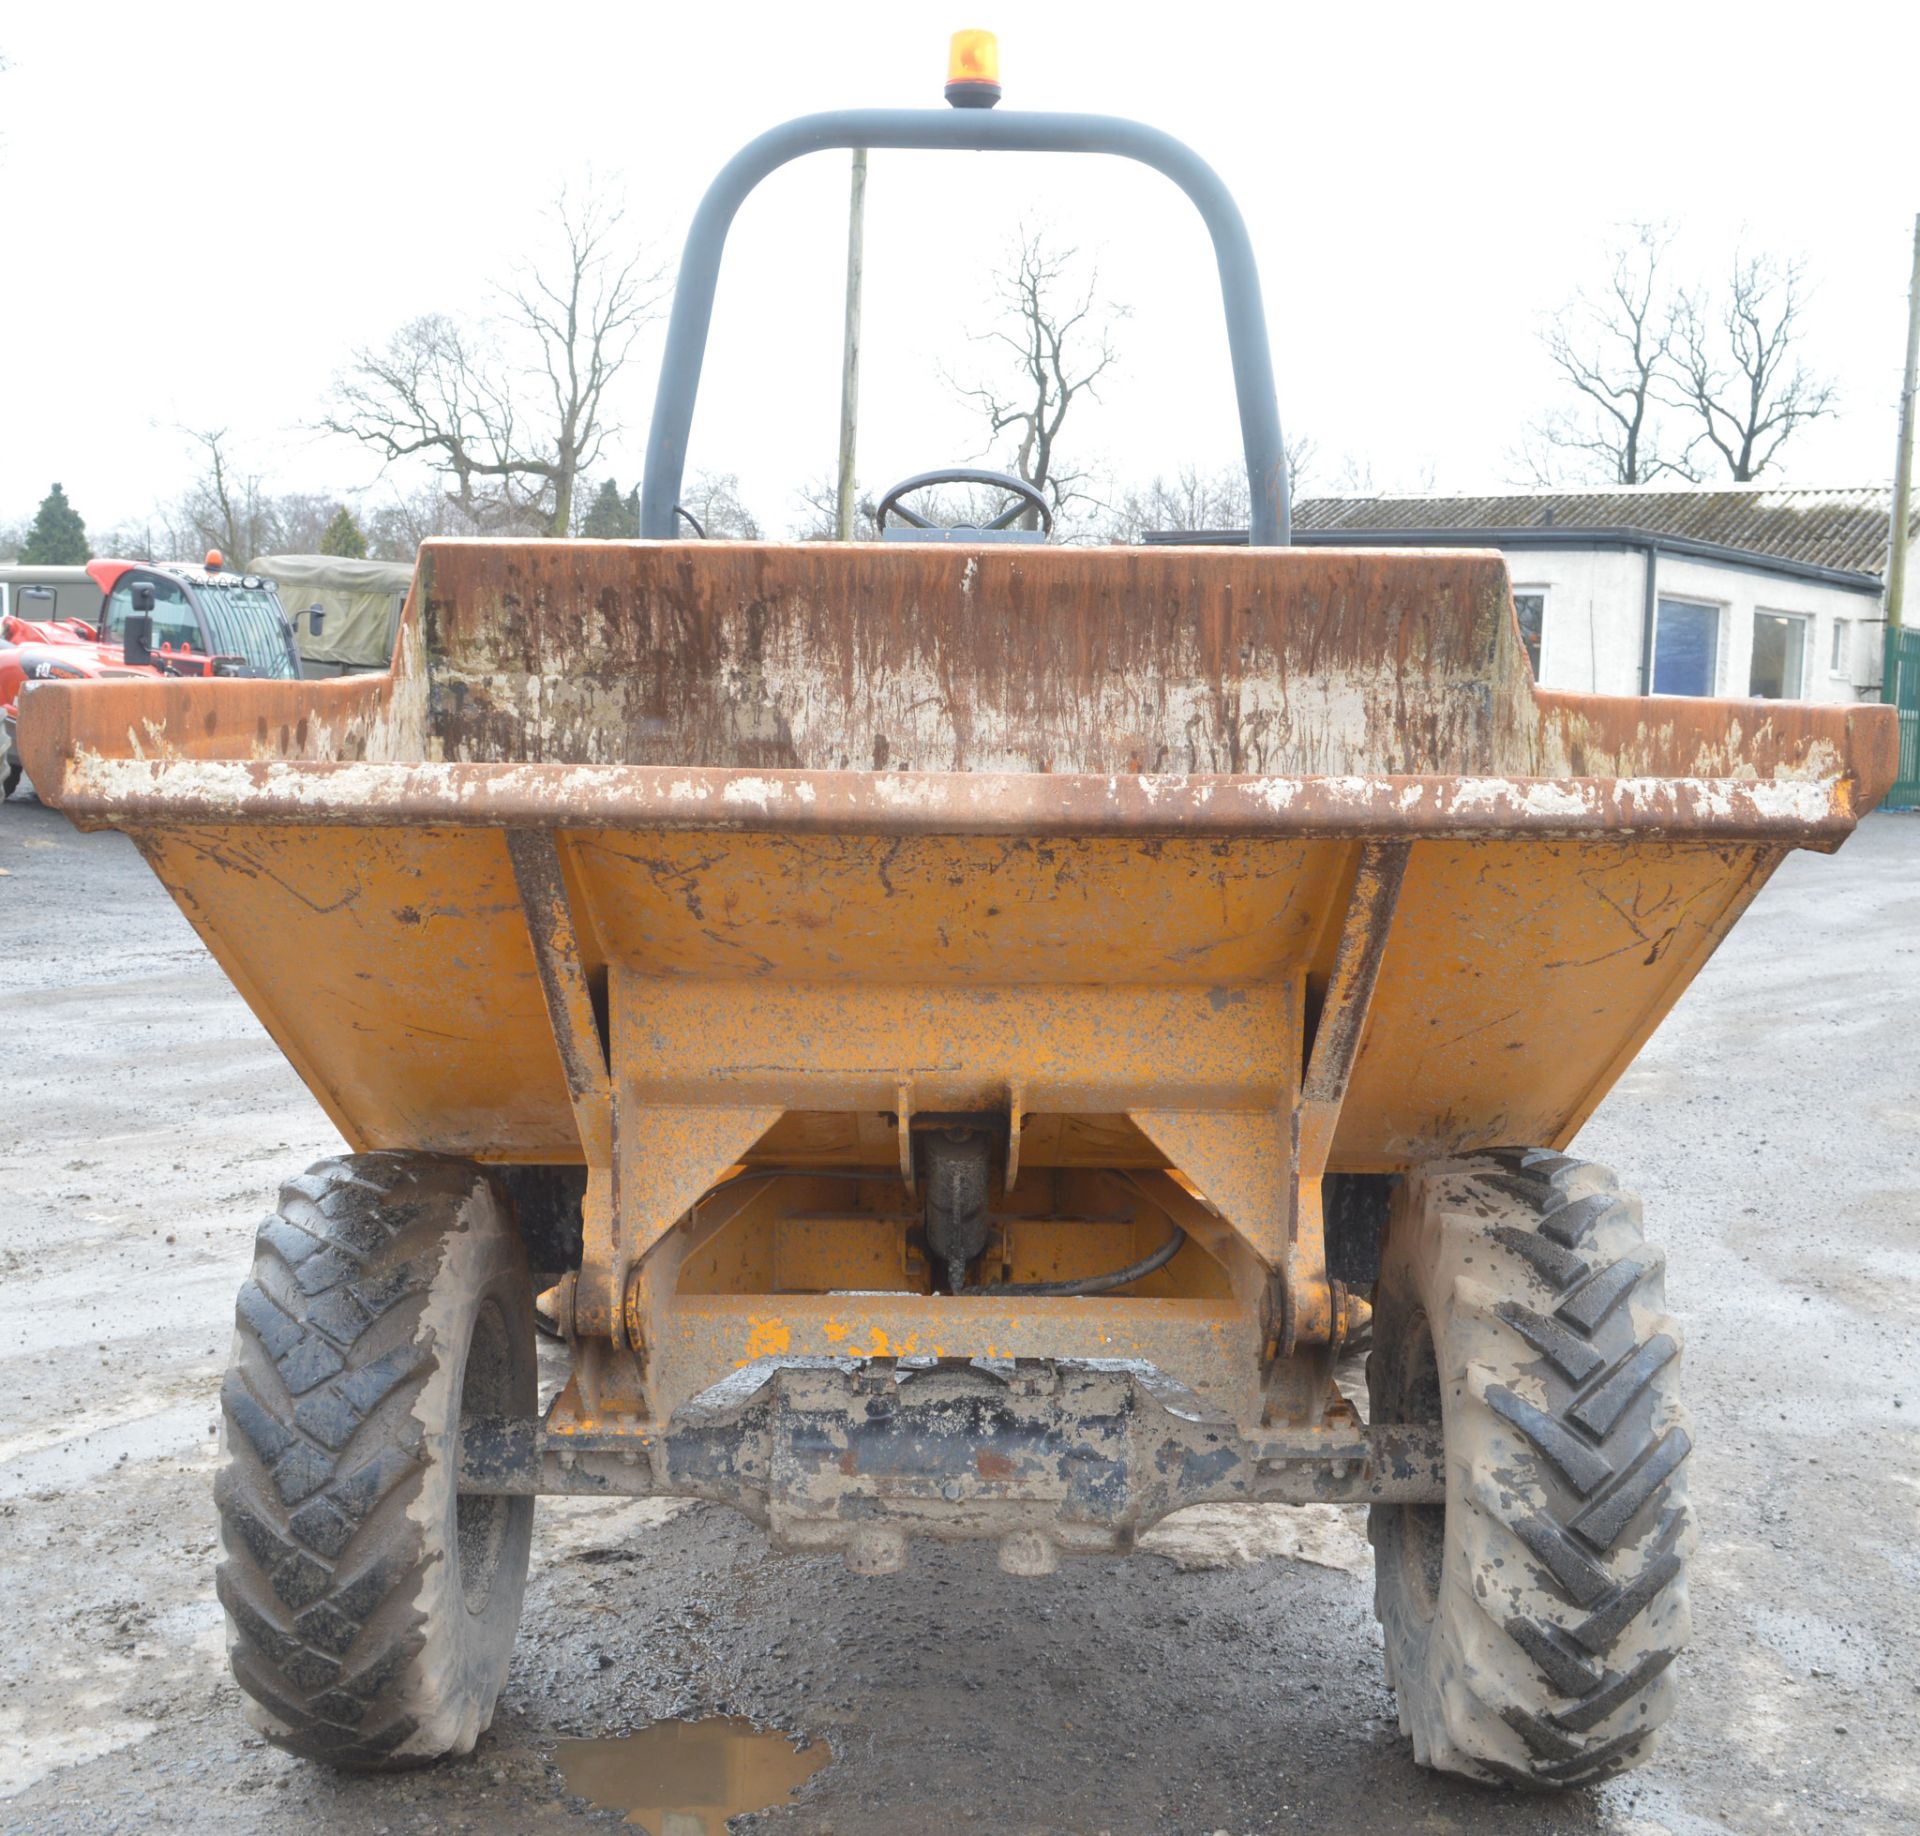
[(970, 131)]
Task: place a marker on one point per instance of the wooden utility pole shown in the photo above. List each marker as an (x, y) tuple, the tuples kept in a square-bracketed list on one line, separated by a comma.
[(850, 348), (1903, 461)]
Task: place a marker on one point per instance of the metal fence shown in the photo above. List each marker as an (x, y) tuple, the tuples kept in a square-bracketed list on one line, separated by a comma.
[(1900, 685)]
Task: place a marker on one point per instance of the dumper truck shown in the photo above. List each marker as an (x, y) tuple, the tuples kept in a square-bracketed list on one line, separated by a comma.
[(980, 1026)]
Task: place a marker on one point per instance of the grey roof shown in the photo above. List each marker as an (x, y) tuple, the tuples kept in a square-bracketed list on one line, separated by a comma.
[(1843, 528)]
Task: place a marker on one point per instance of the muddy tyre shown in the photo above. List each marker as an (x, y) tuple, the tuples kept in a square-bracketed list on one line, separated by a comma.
[(370, 1607), (1531, 1621)]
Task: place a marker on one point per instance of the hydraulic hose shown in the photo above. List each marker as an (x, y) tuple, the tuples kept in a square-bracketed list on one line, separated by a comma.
[(1091, 1284)]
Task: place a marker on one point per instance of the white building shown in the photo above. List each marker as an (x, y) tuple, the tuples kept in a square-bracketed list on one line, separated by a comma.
[(1743, 591)]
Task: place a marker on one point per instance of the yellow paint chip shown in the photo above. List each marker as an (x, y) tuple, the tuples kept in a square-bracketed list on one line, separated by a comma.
[(769, 1338)]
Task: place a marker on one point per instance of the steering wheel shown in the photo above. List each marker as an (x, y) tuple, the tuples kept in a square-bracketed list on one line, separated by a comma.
[(1030, 499)]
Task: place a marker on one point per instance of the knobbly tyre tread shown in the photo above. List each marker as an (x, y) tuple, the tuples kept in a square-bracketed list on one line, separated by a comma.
[(1562, 1597), (335, 1501)]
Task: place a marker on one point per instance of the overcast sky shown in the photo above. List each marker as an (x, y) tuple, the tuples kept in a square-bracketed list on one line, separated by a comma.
[(206, 207)]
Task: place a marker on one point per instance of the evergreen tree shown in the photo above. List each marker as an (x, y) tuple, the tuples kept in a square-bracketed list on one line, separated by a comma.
[(343, 536), (611, 517), (58, 537)]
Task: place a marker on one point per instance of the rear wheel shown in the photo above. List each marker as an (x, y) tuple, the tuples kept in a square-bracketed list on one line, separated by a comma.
[(1531, 1620), (10, 778), (371, 1607)]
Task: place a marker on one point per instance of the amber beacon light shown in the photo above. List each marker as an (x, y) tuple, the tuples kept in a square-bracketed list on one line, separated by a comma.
[(973, 70)]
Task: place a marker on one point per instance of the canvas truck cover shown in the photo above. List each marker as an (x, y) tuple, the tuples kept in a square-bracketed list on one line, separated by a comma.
[(361, 599)]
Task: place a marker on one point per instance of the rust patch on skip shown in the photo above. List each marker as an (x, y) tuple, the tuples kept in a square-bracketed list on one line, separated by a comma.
[(868, 660)]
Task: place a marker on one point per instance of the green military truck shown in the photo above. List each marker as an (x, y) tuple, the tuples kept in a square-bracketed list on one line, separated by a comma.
[(359, 603)]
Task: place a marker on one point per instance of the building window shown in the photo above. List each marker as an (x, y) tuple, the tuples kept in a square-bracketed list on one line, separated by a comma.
[(1840, 663), (1686, 648), (1530, 604), (1779, 656)]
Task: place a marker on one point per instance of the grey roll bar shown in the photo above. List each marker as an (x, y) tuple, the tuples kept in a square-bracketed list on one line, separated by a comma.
[(969, 131)]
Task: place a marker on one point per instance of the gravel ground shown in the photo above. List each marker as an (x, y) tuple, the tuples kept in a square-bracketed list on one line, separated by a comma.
[(1227, 1684)]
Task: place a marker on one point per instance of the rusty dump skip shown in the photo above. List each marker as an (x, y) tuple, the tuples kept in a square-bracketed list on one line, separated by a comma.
[(663, 856), (952, 767)]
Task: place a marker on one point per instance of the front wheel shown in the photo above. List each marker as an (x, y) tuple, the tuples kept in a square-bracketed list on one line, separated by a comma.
[(1531, 1620), (371, 1607)]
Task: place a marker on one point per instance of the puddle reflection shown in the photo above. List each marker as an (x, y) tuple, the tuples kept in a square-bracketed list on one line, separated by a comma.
[(686, 1778)]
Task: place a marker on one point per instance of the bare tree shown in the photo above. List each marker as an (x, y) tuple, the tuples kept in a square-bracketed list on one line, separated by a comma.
[(396, 528), (1355, 477), (1193, 500), (1736, 367), (1615, 350), (296, 520), (584, 321), (224, 508), (134, 540), (228, 507), (512, 415), (437, 392), (1058, 334), (819, 505), (1302, 454), (712, 499), (1190, 500)]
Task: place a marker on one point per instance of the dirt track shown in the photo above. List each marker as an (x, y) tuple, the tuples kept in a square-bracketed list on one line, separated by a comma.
[(1773, 1127)]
